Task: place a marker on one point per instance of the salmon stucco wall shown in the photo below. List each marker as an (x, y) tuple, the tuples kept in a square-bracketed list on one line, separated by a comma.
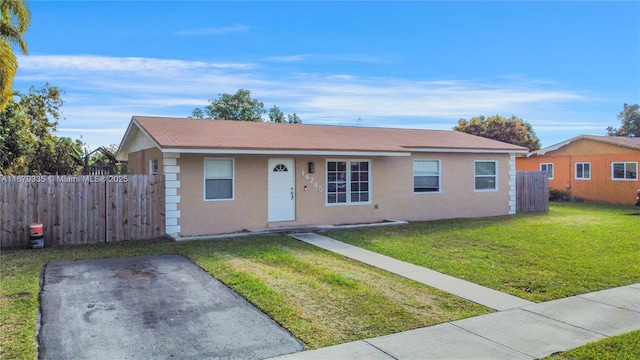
[(138, 162), (247, 210), (391, 186), (601, 187)]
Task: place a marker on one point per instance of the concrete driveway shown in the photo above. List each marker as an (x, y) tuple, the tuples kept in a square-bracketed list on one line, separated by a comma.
[(150, 307)]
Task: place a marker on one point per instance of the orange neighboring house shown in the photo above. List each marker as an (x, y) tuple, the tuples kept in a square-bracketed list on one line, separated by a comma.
[(593, 168)]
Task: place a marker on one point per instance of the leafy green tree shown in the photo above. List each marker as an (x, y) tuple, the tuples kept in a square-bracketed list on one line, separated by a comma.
[(14, 21), (239, 106), (56, 155), (197, 113), (512, 130), (28, 143), (275, 115), (16, 142), (630, 122), (242, 107), (294, 119)]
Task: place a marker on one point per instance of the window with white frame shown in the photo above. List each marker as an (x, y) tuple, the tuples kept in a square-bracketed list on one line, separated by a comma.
[(486, 175), (426, 176), (583, 171), (153, 167), (348, 181), (218, 179), (624, 170), (548, 168)]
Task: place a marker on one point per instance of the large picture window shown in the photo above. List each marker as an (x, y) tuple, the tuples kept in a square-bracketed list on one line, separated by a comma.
[(426, 176), (348, 182), (624, 171), (548, 168), (583, 171), (486, 175), (218, 179)]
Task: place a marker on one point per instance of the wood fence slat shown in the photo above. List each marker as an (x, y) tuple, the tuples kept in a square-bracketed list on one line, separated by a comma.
[(81, 209), (532, 191)]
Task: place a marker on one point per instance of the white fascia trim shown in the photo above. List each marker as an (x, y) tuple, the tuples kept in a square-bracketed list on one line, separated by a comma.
[(469, 151), (549, 148), (146, 134), (126, 141), (286, 152)]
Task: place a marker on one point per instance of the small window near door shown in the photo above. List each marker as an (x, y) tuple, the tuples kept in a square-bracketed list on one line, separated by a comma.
[(153, 167), (548, 168), (218, 179), (426, 176)]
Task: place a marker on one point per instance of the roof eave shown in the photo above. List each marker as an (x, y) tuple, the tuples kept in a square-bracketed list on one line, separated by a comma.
[(602, 139), (470, 150), (128, 138), (125, 139), (230, 151)]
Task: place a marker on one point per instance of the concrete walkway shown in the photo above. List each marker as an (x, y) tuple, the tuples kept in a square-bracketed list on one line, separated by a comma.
[(479, 294), (524, 330)]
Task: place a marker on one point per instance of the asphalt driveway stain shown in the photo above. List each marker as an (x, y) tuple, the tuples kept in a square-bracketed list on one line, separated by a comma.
[(137, 272), (93, 309), (150, 307)]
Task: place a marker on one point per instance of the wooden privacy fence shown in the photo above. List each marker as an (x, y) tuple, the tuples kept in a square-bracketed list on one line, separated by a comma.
[(81, 209), (532, 191)]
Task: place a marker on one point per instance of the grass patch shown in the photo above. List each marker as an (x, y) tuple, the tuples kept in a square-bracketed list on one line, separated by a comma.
[(325, 299), (623, 347), (573, 249), (321, 298)]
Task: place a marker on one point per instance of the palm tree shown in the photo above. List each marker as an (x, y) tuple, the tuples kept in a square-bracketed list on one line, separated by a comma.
[(15, 20)]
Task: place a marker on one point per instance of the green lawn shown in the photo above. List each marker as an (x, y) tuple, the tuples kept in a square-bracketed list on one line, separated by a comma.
[(324, 299), (623, 347), (321, 298), (574, 249)]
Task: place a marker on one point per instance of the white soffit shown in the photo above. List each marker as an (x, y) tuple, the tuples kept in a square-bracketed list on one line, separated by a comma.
[(285, 152), (468, 151), (550, 148)]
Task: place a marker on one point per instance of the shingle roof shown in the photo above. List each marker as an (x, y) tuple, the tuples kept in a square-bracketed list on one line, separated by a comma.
[(184, 133), (630, 142), (624, 141)]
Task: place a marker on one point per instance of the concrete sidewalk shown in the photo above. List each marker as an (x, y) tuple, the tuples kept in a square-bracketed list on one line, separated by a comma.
[(530, 332), (524, 330), (479, 294)]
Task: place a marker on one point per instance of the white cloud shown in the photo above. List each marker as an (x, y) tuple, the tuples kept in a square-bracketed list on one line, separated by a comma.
[(402, 98), (129, 64), (332, 58), (102, 93)]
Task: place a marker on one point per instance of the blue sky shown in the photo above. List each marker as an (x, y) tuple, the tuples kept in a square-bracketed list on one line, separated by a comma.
[(565, 67)]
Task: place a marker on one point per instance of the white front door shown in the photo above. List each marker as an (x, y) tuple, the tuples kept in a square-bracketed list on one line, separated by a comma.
[(281, 190)]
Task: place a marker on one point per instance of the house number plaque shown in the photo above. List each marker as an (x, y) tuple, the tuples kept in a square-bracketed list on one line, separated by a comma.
[(311, 181)]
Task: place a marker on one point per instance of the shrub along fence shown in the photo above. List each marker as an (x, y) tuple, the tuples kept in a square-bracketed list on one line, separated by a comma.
[(532, 191), (81, 209)]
